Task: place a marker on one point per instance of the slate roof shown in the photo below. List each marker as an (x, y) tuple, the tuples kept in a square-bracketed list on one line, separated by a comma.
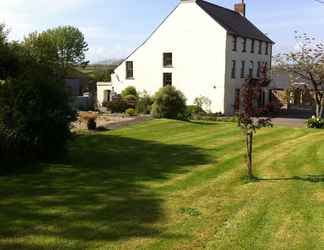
[(233, 22)]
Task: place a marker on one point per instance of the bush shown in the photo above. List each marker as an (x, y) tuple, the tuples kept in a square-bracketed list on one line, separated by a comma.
[(130, 112), (90, 118), (169, 103), (203, 104), (117, 105), (131, 101), (144, 104), (130, 90), (35, 117), (315, 122), (91, 124), (194, 109)]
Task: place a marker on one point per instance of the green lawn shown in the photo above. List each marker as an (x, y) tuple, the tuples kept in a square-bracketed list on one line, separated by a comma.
[(171, 185)]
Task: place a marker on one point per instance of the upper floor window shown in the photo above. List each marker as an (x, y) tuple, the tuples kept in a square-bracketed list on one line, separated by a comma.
[(167, 79), (233, 69), (252, 45), (251, 69), (234, 43), (259, 69), (267, 48), (242, 69), (244, 45), (129, 69), (260, 47), (167, 59)]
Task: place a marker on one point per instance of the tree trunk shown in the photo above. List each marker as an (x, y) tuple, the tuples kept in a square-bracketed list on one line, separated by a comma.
[(249, 147)]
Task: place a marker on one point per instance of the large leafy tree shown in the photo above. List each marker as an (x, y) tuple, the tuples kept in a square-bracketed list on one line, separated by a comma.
[(62, 47), (306, 64)]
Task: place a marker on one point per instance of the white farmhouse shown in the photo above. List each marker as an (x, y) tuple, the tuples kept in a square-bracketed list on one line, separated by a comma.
[(203, 50)]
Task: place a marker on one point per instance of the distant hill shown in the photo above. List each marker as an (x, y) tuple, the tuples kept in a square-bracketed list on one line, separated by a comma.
[(108, 62)]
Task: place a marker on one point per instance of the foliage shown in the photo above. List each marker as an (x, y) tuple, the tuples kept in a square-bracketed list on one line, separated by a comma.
[(248, 120), (131, 100), (169, 103), (130, 90), (61, 48), (307, 66), (117, 105), (315, 122), (203, 103), (130, 112), (144, 103), (92, 124), (35, 115)]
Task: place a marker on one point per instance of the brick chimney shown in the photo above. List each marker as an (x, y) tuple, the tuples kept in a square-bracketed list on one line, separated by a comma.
[(240, 8)]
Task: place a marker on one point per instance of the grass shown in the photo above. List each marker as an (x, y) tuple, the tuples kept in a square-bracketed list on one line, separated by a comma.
[(171, 185)]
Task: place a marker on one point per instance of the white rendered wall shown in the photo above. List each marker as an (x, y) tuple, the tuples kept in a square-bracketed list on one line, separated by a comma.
[(198, 45), (101, 87)]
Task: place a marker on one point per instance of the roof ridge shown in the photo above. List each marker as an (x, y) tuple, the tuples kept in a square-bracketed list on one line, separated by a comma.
[(219, 6)]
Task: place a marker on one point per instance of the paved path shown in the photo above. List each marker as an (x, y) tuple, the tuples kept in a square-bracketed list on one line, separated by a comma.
[(290, 122)]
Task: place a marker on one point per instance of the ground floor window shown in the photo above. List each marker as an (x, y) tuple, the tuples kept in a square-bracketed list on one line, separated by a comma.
[(167, 79), (237, 100)]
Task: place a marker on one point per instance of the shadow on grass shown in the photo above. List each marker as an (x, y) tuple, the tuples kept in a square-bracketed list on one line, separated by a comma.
[(100, 193), (307, 178)]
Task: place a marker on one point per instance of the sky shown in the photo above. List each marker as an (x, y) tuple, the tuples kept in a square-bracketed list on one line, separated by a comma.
[(113, 28)]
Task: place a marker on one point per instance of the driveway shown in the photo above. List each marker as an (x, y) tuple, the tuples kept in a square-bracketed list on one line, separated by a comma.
[(289, 122)]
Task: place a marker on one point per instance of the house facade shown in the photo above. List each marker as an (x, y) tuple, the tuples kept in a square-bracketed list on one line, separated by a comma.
[(203, 50)]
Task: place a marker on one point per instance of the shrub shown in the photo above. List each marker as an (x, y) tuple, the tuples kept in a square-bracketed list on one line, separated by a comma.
[(203, 104), (194, 109), (91, 124), (144, 103), (130, 90), (169, 103), (90, 118), (131, 112), (35, 117), (117, 105), (131, 101), (315, 122)]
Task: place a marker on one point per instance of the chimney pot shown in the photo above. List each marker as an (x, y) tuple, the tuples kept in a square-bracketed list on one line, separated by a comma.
[(240, 8)]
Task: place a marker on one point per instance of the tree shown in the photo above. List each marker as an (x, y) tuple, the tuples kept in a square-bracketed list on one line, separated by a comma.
[(169, 103), (130, 90), (203, 103), (248, 120), (61, 47), (307, 65)]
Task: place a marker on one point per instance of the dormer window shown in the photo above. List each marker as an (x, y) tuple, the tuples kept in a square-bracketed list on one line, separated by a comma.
[(234, 43), (244, 45), (252, 45), (129, 70), (167, 60)]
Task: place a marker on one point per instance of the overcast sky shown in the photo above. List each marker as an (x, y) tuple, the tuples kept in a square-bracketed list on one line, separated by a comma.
[(114, 28)]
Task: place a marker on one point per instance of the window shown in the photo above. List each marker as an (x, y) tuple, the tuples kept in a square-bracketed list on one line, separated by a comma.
[(237, 100), (167, 79), (129, 70), (234, 43), (252, 45), (260, 47), (242, 69), (267, 49), (167, 59), (233, 69), (251, 70), (259, 69), (244, 44)]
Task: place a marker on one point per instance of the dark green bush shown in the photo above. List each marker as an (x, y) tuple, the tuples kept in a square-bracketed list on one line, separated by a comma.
[(91, 124), (315, 122), (130, 112), (131, 101), (130, 90), (169, 103), (35, 116), (117, 105)]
